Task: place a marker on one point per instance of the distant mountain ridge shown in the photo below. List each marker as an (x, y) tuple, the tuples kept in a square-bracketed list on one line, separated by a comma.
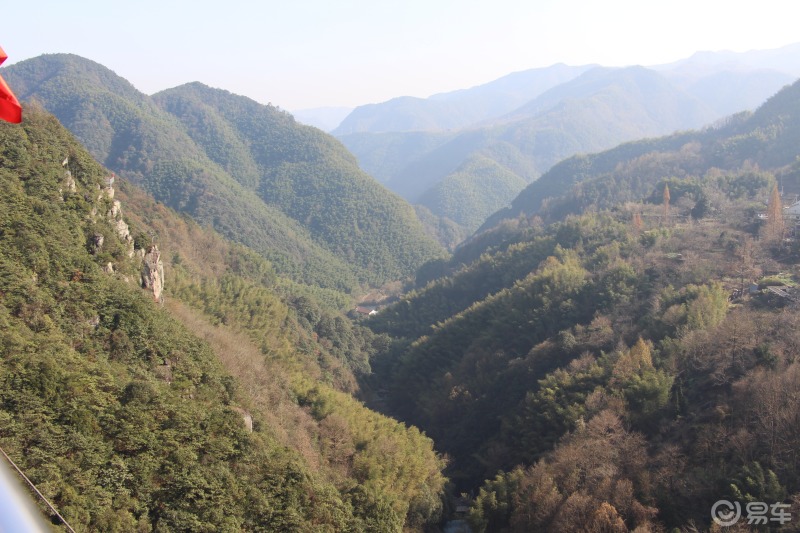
[(637, 83), (593, 111), (784, 59), (325, 118), (563, 115), (187, 152), (456, 109), (730, 82), (503, 95)]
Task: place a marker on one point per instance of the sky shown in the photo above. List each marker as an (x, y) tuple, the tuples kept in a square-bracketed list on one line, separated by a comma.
[(300, 54)]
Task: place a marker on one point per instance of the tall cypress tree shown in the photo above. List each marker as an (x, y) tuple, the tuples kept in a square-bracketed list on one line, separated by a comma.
[(774, 229)]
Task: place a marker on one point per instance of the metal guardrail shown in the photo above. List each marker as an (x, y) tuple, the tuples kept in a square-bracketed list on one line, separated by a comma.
[(17, 510)]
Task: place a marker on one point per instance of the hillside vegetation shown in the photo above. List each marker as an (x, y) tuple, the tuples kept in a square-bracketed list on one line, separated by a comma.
[(613, 370), (130, 416)]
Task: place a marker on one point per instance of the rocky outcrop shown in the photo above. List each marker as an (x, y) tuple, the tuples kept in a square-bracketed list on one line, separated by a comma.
[(115, 215), (152, 268), (153, 273), (68, 185)]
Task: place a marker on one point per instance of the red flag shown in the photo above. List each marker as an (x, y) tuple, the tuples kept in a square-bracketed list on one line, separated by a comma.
[(10, 110)]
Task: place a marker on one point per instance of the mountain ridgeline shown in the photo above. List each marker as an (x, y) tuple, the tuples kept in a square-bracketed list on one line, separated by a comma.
[(595, 110), (288, 191), (437, 151), (457, 109), (765, 138), (308, 175)]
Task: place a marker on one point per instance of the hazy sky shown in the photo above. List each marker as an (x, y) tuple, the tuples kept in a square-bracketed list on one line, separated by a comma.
[(311, 53)]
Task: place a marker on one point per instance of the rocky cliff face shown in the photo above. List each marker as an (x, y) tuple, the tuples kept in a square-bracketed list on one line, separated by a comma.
[(153, 273), (152, 269), (115, 215)]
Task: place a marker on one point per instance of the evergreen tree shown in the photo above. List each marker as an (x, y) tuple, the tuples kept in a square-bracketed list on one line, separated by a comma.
[(774, 229)]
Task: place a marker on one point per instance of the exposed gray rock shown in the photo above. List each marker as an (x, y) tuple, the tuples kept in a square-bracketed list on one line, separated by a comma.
[(109, 188), (115, 216), (153, 273), (164, 372)]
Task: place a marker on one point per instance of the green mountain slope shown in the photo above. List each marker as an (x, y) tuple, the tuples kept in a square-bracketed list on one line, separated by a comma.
[(308, 175), (132, 416), (132, 135), (383, 155)]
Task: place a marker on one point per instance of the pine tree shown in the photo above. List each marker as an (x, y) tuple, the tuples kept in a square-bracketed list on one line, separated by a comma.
[(666, 202)]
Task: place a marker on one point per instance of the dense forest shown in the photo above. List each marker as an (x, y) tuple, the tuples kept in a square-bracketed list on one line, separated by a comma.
[(624, 368), (228, 408)]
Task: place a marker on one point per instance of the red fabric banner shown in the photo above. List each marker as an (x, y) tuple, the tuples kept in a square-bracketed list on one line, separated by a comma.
[(10, 110)]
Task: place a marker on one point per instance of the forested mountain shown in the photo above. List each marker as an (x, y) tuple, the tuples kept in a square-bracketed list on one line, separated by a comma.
[(308, 175), (766, 138), (288, 191), (225, 409), (479, 185), (655, 103), (612, 364), (384, 155), (617, 352)]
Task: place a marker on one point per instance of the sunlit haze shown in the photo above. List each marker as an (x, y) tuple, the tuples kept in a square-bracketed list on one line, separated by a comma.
[(314, 53)]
